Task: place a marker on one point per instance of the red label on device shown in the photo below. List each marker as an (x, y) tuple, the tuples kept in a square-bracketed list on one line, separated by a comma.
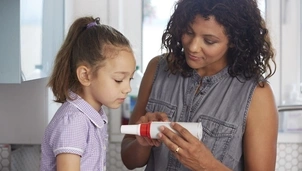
[(145, 130)]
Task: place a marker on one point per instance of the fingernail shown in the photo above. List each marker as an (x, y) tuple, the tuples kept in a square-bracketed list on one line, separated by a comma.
[(161, 128), (159, 135)]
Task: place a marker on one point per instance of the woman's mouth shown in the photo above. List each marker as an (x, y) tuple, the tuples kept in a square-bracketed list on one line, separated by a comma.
[(194, 58)]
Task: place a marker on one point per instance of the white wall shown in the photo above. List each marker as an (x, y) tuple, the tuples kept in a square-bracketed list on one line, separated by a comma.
[(23, 112), (283, 20), (124, 15), (26, 108), (80, 8)]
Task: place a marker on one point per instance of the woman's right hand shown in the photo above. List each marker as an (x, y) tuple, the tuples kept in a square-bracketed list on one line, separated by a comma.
[(149, 117)]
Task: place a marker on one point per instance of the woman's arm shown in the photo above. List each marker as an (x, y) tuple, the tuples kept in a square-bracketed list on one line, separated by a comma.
[(135, 150), (260, 138), (68, 162)]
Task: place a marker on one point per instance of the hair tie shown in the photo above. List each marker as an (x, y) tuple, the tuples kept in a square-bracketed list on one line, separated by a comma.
[(91, 24), (94, 23)]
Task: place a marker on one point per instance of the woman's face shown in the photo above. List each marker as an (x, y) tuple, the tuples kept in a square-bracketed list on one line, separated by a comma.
[(205, 46)]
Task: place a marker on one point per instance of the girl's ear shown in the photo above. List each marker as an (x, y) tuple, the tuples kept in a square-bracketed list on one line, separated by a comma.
[(83, 75)]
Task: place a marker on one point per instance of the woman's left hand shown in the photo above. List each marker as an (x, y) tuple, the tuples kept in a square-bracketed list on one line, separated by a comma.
[(190, 151)]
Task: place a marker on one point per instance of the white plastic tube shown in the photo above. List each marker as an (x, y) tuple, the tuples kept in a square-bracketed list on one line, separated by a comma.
[(151, 129)]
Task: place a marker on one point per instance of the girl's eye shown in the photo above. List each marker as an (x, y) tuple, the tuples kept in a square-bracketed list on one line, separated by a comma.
[(118, 81)]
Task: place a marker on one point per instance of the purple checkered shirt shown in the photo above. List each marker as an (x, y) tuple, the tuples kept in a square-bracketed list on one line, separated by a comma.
[(76, 128)]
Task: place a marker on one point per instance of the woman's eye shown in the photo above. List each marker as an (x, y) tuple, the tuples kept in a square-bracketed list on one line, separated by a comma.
[(118, 81), (209, 42), (189, 33)]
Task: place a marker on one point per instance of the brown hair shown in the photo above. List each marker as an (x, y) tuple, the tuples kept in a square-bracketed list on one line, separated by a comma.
[(87, 43), (250, 50)]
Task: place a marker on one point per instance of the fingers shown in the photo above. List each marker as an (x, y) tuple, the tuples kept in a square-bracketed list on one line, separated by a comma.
[(183, 132), (144, 141), (152, 142), (172, 146), (149, 117), (155, 142), (179, 140), (172, 140), (157, 116), (185, 146), (161, 116)]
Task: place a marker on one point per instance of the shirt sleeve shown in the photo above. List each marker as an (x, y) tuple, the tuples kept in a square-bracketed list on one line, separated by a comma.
[(70, 134)]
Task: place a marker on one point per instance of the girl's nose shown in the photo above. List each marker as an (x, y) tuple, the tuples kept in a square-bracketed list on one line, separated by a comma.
[(127, 89)]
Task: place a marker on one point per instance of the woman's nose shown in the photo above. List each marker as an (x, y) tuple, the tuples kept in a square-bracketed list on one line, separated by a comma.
[(194, 45)]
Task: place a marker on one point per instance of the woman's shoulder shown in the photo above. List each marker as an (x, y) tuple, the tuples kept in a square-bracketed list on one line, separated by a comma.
[(155, 64), (264, 91), (263, 104), (160, 59)]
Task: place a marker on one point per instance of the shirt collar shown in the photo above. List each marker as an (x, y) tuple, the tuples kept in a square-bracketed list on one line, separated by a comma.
[(98, 118), (210, 79)]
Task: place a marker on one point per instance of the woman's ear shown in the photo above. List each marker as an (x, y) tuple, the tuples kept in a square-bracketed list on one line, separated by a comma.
[(83, 75)]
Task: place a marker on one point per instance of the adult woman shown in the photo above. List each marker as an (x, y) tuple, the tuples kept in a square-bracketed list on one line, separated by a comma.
[(217, 54)]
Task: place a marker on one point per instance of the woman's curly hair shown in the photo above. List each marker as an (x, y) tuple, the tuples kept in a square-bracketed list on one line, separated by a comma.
[(250, 49)]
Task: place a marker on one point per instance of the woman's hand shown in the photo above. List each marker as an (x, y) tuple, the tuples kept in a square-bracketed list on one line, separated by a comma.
[(149, 117), (188, 149)]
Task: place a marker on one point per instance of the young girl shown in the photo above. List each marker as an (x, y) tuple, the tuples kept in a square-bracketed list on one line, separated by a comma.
[(92, 69)]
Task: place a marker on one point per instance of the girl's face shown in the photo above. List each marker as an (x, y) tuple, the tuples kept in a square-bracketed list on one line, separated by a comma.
[(205, 46), (112, 83)]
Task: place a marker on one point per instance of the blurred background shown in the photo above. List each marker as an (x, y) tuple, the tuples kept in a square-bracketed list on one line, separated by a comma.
[(32, 32)]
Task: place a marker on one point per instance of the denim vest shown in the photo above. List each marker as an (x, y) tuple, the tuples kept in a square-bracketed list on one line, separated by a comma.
[(221, 105)]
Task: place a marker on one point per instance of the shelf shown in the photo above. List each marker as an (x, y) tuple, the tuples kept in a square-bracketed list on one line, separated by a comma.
[(290, 138)]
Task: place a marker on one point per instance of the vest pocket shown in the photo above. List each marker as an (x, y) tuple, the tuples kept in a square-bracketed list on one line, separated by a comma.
[(217, 135), (161, 106)]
